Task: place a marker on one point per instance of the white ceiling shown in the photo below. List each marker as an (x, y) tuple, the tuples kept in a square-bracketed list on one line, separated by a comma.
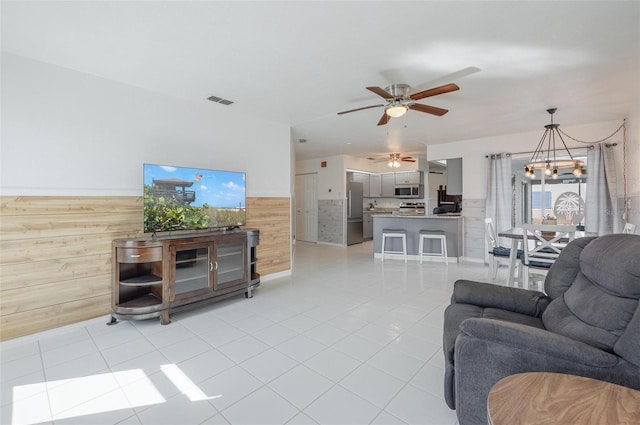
[(299, 63)]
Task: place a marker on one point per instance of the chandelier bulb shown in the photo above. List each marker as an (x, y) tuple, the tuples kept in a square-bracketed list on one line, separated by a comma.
[(555, 172), (532, 173), (547, 169)]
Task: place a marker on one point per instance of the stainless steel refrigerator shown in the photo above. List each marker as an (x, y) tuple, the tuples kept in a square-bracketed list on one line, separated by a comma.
[(354, 213)]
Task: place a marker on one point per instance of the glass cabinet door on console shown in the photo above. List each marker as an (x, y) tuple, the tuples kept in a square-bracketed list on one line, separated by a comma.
[(231, 263), (192, 270)]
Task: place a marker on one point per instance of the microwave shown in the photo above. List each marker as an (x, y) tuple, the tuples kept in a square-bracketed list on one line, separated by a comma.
[(408, 191)]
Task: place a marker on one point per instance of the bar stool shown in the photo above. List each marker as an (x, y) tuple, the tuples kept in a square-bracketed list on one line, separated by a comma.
[(394, 233), (433, 234)]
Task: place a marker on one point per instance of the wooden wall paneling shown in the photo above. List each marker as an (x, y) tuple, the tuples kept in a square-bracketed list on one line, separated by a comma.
[(55, 258), (51, 205), (40, 249), (53, 316), (20, 227), (273, 217), (22, 299), (56, 254), (44, 272)]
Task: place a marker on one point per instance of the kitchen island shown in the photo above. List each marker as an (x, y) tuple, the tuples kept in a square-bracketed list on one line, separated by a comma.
[(451, 224)]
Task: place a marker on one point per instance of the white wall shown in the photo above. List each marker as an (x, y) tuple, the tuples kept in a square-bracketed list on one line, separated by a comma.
[(332, 179), (69, 133), (473, 152), (633, 159)]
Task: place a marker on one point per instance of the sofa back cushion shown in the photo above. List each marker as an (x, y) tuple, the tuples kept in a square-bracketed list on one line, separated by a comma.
[(604, 297), (565, 269)]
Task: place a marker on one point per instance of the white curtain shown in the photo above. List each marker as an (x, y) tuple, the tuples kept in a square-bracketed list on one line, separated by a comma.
[(601, 206), (499, 194)]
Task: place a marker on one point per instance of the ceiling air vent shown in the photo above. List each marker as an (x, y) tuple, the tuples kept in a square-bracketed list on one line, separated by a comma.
[(219, 100)]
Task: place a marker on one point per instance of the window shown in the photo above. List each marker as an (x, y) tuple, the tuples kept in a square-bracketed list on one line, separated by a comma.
[(562, 198)]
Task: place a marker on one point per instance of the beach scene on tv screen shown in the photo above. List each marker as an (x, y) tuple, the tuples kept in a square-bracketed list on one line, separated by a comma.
[(183, 198)]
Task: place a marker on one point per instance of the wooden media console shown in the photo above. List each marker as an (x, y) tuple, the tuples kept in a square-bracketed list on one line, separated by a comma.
[(156, 276)]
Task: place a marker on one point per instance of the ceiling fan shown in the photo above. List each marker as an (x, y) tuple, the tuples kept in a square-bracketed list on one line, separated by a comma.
[(394, 159), (399, 101)]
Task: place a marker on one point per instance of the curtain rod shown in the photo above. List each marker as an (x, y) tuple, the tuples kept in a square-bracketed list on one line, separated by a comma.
[(608, 145)]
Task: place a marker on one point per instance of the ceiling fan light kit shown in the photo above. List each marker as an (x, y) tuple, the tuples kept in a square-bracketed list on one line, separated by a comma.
[(394, 160), (399, 101), (544, 157), (396, 110)]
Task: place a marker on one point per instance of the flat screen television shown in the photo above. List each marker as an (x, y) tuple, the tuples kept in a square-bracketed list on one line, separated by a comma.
[(184, 198)]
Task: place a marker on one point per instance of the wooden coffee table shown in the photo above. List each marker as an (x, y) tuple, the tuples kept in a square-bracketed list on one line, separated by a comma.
[(556, 398)]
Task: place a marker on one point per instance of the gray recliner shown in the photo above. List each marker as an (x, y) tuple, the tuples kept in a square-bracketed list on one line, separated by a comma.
[(587, 324)]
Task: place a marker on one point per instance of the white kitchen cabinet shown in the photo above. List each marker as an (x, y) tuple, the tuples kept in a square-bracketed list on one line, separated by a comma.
[(388, 185), (375, 185), (367, 227), (408, 177), (354, 176), (364, 179)]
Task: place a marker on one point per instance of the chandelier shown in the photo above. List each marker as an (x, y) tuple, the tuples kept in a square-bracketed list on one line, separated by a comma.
[(544, 157), (394, 160)]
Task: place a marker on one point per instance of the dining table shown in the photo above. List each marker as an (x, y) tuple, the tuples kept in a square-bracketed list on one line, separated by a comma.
[(516, 234)]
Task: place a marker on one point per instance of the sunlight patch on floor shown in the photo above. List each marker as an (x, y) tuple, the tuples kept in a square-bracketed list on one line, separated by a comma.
[(184, 384), (65, 394)]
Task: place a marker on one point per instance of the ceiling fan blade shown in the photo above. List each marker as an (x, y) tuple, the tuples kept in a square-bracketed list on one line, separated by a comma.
[(381, 92), (359, 109), (384, 119), (407, 159), (428, 109), (434, 91)]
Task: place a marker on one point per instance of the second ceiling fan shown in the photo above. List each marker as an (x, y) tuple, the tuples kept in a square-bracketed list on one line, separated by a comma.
[(399, 101)]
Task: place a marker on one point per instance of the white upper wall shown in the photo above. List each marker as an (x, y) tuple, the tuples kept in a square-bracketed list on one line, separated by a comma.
[(70, 133), (474, 163), (332, 180)]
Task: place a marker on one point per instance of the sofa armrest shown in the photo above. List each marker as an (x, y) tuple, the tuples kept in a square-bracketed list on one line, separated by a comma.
[(487, 350), (531, 303), (538, 341)]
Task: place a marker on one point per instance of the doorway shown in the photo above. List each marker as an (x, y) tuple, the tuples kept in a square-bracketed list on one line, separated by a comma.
[(306, 207)]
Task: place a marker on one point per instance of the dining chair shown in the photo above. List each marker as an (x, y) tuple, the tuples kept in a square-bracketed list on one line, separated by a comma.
[(629, 228), (542, 244), (497, 254)]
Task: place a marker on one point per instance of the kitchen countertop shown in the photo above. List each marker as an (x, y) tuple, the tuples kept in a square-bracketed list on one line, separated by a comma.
[(451, 225), (378, 211), (438, 216)]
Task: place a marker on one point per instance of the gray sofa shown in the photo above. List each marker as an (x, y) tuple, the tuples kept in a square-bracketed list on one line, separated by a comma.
[(587, 324)]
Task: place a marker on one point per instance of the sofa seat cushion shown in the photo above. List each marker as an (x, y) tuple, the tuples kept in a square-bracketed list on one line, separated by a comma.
[(455, 314)]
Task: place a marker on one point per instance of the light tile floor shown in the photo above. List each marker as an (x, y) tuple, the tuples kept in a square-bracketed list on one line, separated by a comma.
[(345, 339)]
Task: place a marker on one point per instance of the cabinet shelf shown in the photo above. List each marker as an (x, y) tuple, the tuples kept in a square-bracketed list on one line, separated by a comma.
[(187, 279), (229, 254), (146, 300), (143, 280), (236, 269), (191, 260)]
